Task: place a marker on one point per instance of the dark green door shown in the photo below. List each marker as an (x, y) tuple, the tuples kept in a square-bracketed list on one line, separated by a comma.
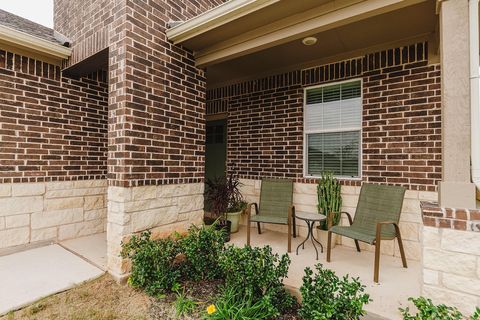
[(216, 149)]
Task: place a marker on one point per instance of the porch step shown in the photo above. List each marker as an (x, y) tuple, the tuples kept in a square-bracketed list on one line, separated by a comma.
[(372, 316)]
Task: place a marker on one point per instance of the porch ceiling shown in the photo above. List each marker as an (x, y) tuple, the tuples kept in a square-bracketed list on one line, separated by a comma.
[(399, 27), (242, 27)]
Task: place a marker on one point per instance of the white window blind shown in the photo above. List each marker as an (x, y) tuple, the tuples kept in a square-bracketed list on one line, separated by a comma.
[(333, 123)]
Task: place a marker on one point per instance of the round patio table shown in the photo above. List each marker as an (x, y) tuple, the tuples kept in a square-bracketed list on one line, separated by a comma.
[(310, 219)]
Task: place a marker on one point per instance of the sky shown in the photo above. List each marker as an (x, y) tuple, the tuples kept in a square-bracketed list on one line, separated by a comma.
[(40, 11)]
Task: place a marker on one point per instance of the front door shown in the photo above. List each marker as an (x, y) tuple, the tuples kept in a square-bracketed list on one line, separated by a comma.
[(216, 149)]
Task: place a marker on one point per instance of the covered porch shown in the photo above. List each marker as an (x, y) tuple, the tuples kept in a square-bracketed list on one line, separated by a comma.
[(396, 285)]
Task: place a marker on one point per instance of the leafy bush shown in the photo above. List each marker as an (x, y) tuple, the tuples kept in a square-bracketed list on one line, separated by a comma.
[(327, 297), (202, 247), (153, 263), (233, 305), (255, 273), (428, 311)]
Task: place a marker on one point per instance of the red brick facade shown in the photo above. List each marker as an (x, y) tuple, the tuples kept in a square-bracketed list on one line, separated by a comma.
[(401, 140), (52, 128), (450, 218), (157, 106)]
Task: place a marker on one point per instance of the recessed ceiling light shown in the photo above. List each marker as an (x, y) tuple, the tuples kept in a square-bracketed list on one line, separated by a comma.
[(309, 41)]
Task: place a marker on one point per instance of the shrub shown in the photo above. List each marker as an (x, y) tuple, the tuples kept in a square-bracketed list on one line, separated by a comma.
[(202, 247), (428, 311), (326, 296), (255, 273), (233, 305), (153, 263)]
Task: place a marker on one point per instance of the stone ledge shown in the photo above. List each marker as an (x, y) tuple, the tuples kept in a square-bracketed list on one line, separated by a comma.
[(450, 218)]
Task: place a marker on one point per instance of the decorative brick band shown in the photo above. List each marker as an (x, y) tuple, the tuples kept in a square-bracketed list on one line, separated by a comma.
[(451, 218)]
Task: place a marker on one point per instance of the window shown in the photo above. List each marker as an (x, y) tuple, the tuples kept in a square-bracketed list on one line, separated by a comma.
[(332, 129)]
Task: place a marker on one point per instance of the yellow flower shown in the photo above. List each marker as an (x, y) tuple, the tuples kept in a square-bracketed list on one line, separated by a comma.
[(211, 309)]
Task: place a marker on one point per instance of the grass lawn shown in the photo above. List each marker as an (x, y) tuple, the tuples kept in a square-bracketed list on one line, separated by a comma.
[(104, 299)]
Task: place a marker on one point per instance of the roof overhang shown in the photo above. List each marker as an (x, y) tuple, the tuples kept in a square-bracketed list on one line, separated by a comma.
[(28, 42), (203, 34)]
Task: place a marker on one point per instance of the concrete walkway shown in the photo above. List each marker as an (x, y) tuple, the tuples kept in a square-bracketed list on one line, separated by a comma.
[(30, 275)]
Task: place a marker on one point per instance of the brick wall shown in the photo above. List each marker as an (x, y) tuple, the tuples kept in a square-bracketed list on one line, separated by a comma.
[(52, 128), (157, 103), (401, 139)]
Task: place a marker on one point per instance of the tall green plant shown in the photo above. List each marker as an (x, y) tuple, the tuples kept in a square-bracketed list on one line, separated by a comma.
[(329, 197)]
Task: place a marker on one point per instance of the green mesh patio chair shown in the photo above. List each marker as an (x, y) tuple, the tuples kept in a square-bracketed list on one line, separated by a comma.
[(276, 197), (376, 219)]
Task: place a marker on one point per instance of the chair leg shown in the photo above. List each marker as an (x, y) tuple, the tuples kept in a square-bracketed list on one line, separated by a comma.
[(376, 270), (248, 233), (357, 245), (329, 245), (294, 227), (258, 228), (400, 247), (289, 238)]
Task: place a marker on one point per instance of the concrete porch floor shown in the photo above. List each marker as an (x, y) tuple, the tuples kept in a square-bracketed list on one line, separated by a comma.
[(396, 283), (91, 248)]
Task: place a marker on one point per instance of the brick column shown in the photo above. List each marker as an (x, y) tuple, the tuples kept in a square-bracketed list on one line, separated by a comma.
[(456, 189)]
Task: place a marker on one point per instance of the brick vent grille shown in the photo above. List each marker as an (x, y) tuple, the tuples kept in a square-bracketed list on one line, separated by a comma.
[(52, 128), (401, 138)]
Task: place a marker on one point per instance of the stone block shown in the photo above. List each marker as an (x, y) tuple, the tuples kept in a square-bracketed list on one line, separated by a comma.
[(14, 237), (189, 203), (462, 284), (409, 231), (411, 194), (413, 250), (464, 302), (12, 206), (461, 241), (61, 185), (350, 200), (431, 237), (70, 193), (147, 219), (305, 188), (56, 218), (44, 234), (80, 229), (119, 194), (5, 189), (16, 221), (411, 206), (431, 277), (351, 190), (94, 202), (95, 214), (451, 262), (63, 203), (28, 189), (305, 199), (2, 223), (144, 192), (428, 196)]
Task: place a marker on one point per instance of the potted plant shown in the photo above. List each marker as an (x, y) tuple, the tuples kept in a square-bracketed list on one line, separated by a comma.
[(224, 201), (329, 204)]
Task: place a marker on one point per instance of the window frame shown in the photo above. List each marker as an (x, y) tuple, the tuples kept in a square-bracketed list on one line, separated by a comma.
[(307, 132)]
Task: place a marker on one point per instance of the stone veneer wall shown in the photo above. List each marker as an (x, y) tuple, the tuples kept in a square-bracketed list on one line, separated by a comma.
[(451, 256), (162, 209), (51, 211), (305, 199)]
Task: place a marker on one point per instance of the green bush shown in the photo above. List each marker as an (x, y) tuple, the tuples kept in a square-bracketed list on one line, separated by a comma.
[(255, 273), (153, 263), (327, 297), (232, 305), (202, 247), (428, 311)]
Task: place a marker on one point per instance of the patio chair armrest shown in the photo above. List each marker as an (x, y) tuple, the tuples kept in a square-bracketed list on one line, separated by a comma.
[(248, 209), (384, 223), (330, 218)]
